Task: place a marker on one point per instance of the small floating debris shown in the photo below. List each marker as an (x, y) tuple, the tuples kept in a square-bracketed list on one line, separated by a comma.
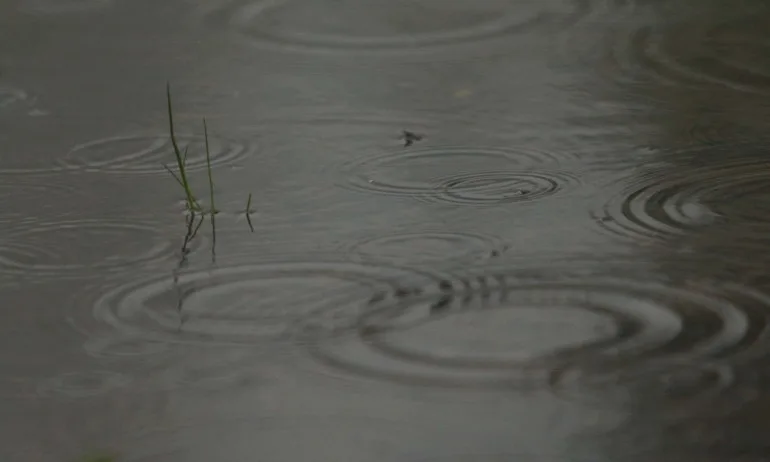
[(410, 137)]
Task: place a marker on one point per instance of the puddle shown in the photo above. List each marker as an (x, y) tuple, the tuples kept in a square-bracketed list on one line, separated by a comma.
[(493, 230)]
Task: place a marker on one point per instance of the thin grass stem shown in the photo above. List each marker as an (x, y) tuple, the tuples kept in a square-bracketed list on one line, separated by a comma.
[(211, 190), (180, 160), (174, 175), (208, 167), (248, 213)]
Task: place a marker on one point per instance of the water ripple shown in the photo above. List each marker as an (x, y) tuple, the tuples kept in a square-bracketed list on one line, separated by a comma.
[(398, 27), (244, 304), (10, 96), (83, 384), (70, 249), (63, 6), (489, 176), (694, 52), (32, 198), (673, 387), (662, 202), (112, 347), (525, 328), (427, 247), (165, 366), (494, 188), (718, 129), (212, 370), (146, 154)]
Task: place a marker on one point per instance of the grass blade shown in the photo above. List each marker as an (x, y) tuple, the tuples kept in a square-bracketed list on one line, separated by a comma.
[(248, 220), (180, 161), (211, 191), (208, 167), (197, 227), (248, 213), (174, 175)]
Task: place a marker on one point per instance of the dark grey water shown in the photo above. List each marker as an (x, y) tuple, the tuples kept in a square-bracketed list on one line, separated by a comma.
[(566, 263)]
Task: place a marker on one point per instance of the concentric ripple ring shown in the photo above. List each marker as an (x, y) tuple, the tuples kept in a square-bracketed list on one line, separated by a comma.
[(427, 247), (494, 188), (51, 249), (660, 203), (387, 27), (246, 304), (508, 330), (460, 175), (146, 154), (696, 53)]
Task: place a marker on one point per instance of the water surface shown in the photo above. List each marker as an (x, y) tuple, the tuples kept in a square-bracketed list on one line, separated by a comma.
[(567, 263)]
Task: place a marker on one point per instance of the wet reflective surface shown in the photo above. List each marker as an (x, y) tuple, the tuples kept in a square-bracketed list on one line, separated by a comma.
[(500, 230)]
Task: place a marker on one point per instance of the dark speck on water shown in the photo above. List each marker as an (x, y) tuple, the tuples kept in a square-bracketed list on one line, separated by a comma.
[(566, 261), (377, 297), (403, 292), (410, 137), (441, 305)]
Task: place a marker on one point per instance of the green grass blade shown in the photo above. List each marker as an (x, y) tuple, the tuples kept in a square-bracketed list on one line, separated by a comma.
[(192, 203), (174, 175)]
